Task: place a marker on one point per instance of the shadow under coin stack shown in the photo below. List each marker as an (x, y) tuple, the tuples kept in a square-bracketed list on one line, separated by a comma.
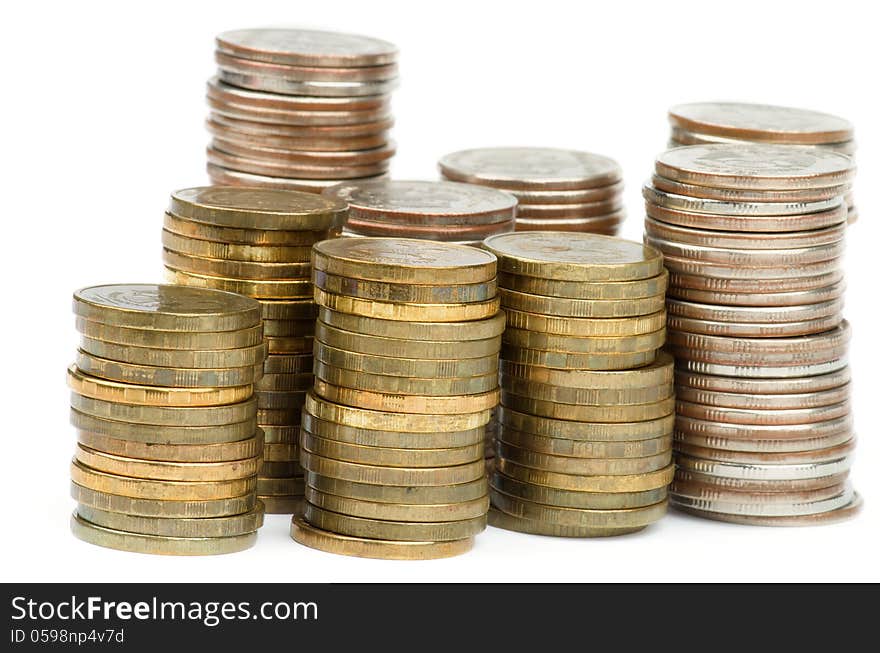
[(406, 374), (162, 400), (561, 190), (753, 240), (300, 109), (585, 435), (703, 123), (257, 242), (431, 210)]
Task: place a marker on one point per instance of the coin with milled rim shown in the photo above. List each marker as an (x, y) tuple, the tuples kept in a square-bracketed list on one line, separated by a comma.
[(307, 47)]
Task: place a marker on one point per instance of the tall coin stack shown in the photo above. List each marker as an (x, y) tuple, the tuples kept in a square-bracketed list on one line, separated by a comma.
[(752, 236), (300, 109), (560, 190), (585, 435), (433, 210), (257, 242), (702, 123), (406, 372), (168, 447)]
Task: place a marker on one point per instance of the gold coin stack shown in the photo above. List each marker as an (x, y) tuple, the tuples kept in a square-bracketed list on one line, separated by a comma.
[(704, 123), (562, 190), (257, 242), (585, 436), (406, 372), (300, 109), (162, 400), (752, 236)]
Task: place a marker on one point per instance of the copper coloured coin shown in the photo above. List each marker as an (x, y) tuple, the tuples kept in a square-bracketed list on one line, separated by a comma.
[(291, 87), (600, 224), (272, 155), (758, 195), (304, 131), (679, 137), (226, 177), (261, 100), (584, 210), (744, 240), (313, 144), (282, 117), (304, 47), (281, 169), (582, 196), (305, 73)]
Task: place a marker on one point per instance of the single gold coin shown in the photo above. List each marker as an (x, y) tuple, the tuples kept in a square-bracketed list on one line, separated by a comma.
[(183, 453), (180, 527), (392, 421), (392, 439), (586, 327), (408, 312), (603, 291), (659, 374), (393, 530), (374, 364), (294, 289), (230, 269), (395, 329), (241, 235), (441, 512), (280, 400), (280, 452), (306, 534), (435, 387), (171, 340), (586, 413), (287, 364), (214, 358), (583, 396), (586, 431), (98, 388), (288, 328), (280, 434), (580, 345), (605, 518), (170, 308), (400, 348), (283, 505), (590, 483), (159, 489), (289, 309), (176, 377), (163, 545), (584, 448), (576, 361), (290, 345), (407, 403), (165, 469), (501, 519), (583, 308), (404, 292), (163, 508), (390, 457), (385, 475), (400, 494), (171, 416), (583, 466), (159, 434), (403, 260), (573, 499), (281, 486)]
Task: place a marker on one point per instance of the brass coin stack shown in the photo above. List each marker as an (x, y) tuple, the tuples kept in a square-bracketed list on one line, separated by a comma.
[(406, 372), (752, 236), (162, 400), (433, 210), (257, 242), (560, 190), (300, 109), (703, 123), (585, 436)]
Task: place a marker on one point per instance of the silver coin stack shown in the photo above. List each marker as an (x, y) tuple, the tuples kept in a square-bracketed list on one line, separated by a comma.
[(558, 190), (300, 109), (752, 236), (702, 123)]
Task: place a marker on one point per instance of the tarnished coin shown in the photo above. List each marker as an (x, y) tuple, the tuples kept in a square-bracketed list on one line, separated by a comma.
[(231, 269), (200, 453), (634, 381), (285, 382), (582, 361), (405, 367), (307, 47), (283, 504), (160, 434), (586, 327), (165, 509), (441, 512), (603, 225), (585, 431), (847, 511), (181, 527), (408, 494), (390, 457), (281, 486), (585, 449), (166, 416), (386, 475), (591, 483), (391, 439), (752, 166), (287, 364), (583, 396), (175, 340), (470, 235), (586, 413), (433, 387), (574, 499), (418, 404), (583, 466), (573, 344), (591, 308), (617, 290), (762, 216), (191, 358), (500, 519), (262, 289), (243, 236), (457, 332), (400, 292)]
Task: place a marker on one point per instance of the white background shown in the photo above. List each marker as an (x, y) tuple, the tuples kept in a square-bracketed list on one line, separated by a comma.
[(102, 116)]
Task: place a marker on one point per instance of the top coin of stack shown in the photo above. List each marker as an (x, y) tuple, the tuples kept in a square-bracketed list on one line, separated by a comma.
[(753, 238), (162, 402), (406, 373), (432, 210), (300, 109), (702, 123), (585, 426), (257, 242), (562, 190)]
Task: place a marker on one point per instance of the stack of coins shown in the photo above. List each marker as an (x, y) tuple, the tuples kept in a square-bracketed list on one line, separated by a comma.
[(162, 401), (585, 436), (702, 123), (433, 210), (752, 236), (562, 190), (406, 372), (300, 109), (257, 242)]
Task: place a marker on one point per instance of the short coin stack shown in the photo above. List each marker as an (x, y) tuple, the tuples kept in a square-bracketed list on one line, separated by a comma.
[(300, 109), (433, 210), (752, 236), (562, 190), (701, 123), (257, 242), (168, 446), (585, 435), (406, 373)]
